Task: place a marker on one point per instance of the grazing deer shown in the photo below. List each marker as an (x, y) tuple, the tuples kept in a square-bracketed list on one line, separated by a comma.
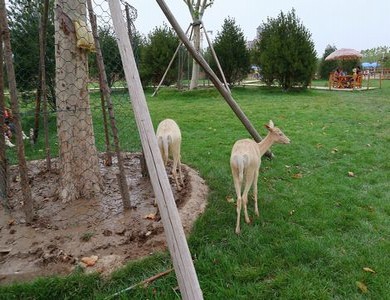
[(245, 162), (169, 141)]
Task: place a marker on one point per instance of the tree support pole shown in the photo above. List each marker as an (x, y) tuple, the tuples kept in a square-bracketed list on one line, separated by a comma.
[(216, 58), (124, 189), (176, 240), (169, 65), (3, 160), (213, 77)]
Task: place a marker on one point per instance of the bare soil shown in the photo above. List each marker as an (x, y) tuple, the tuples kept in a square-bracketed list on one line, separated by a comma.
[(65, 233)]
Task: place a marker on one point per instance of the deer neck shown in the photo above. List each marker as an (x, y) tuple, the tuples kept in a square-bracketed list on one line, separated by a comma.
[(265, 144)]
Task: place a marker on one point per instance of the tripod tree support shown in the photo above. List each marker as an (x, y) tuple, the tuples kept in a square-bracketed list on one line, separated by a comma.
[(213, 77)]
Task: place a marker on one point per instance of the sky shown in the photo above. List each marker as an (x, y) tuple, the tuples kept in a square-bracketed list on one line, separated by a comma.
[(357, 24)]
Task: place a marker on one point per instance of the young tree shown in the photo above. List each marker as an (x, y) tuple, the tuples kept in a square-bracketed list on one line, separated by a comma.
[(232, 52), (24, 26), (79, 164), (156, 54), (286, 51), (327, 66), (196, 8), (111, 57)]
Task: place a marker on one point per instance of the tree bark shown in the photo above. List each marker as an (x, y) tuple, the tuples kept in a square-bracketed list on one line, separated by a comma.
[(195, 65), (79, 163), (28, 206)]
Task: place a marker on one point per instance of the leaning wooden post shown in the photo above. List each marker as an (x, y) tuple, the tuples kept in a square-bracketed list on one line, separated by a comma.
[(213, 77), (3, 159), (23, 172), (123, 187), (42, 64), (176, 240)]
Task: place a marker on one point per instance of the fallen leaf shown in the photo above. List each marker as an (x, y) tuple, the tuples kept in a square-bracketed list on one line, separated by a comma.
[(150, 217), (351, 174), (297, 176), (90, 261), (368, 270), (362, 287), (229, 199), (335, 150)]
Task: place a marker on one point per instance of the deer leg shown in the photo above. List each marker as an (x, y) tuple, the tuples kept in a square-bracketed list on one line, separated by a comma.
[(248, 183), (237, 186), (255, 191)]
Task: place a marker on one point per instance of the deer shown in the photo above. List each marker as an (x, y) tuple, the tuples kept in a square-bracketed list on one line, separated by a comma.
[(169, 142), (245, 161)]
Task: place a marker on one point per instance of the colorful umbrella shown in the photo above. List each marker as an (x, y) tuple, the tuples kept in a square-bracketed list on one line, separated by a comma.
[(344, 54)]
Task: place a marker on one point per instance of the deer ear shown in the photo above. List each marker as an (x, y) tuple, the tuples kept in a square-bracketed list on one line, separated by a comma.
[(270, 125)]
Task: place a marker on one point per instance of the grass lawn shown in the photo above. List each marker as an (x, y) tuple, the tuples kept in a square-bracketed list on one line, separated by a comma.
[(319, 227)]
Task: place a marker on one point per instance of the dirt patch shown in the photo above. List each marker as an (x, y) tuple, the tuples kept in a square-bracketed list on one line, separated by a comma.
[(65, 233)]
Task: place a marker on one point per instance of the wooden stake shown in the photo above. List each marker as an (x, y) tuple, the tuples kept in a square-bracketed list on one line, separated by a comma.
[(143, 282), (122, 182), (3, 159), (176, 240)]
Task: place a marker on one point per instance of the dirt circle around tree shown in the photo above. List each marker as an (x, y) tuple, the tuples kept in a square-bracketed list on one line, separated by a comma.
[(96, 234)]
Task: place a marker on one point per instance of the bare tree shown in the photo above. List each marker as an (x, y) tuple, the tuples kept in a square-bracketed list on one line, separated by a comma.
[(79, 164), (28, 206), (196, 8)]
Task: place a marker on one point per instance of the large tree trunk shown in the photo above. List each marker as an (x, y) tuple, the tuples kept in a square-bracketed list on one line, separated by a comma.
[(195, 65), (79, 164)]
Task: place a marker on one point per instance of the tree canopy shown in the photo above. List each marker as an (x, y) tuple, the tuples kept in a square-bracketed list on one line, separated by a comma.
[(156, 55), (286, 51), (232, 53)]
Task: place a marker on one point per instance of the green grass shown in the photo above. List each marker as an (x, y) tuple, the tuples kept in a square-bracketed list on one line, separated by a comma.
[(316, 231)]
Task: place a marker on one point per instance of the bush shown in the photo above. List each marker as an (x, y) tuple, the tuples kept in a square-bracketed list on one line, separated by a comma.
[(286, 52)]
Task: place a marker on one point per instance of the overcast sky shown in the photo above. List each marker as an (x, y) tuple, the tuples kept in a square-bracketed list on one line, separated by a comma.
[(358, 24)]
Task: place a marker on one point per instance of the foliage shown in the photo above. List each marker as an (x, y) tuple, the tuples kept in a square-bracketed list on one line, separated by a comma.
[(230, 47), (24, 26), (287, 52), (156, 55), (327, 66), (379, 54)]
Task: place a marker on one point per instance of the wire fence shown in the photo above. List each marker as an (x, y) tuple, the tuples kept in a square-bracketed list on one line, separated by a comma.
[(71, 95)]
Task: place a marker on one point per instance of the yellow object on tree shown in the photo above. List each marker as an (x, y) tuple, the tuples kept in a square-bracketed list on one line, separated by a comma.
[(84, 36)]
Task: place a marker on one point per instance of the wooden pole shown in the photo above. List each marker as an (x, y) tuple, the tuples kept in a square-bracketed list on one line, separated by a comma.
[(3, 159), (215, 58), (124, 190), (176, 240), (213, 77), (23, 172), (42, 55)]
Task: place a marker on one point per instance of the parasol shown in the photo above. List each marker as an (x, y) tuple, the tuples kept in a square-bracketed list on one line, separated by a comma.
[(344, 54)]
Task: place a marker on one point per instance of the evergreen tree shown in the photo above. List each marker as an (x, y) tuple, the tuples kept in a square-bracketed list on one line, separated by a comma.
[(327, 66), (287, 52), (156, 55), (24, 28), (232, 53)]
